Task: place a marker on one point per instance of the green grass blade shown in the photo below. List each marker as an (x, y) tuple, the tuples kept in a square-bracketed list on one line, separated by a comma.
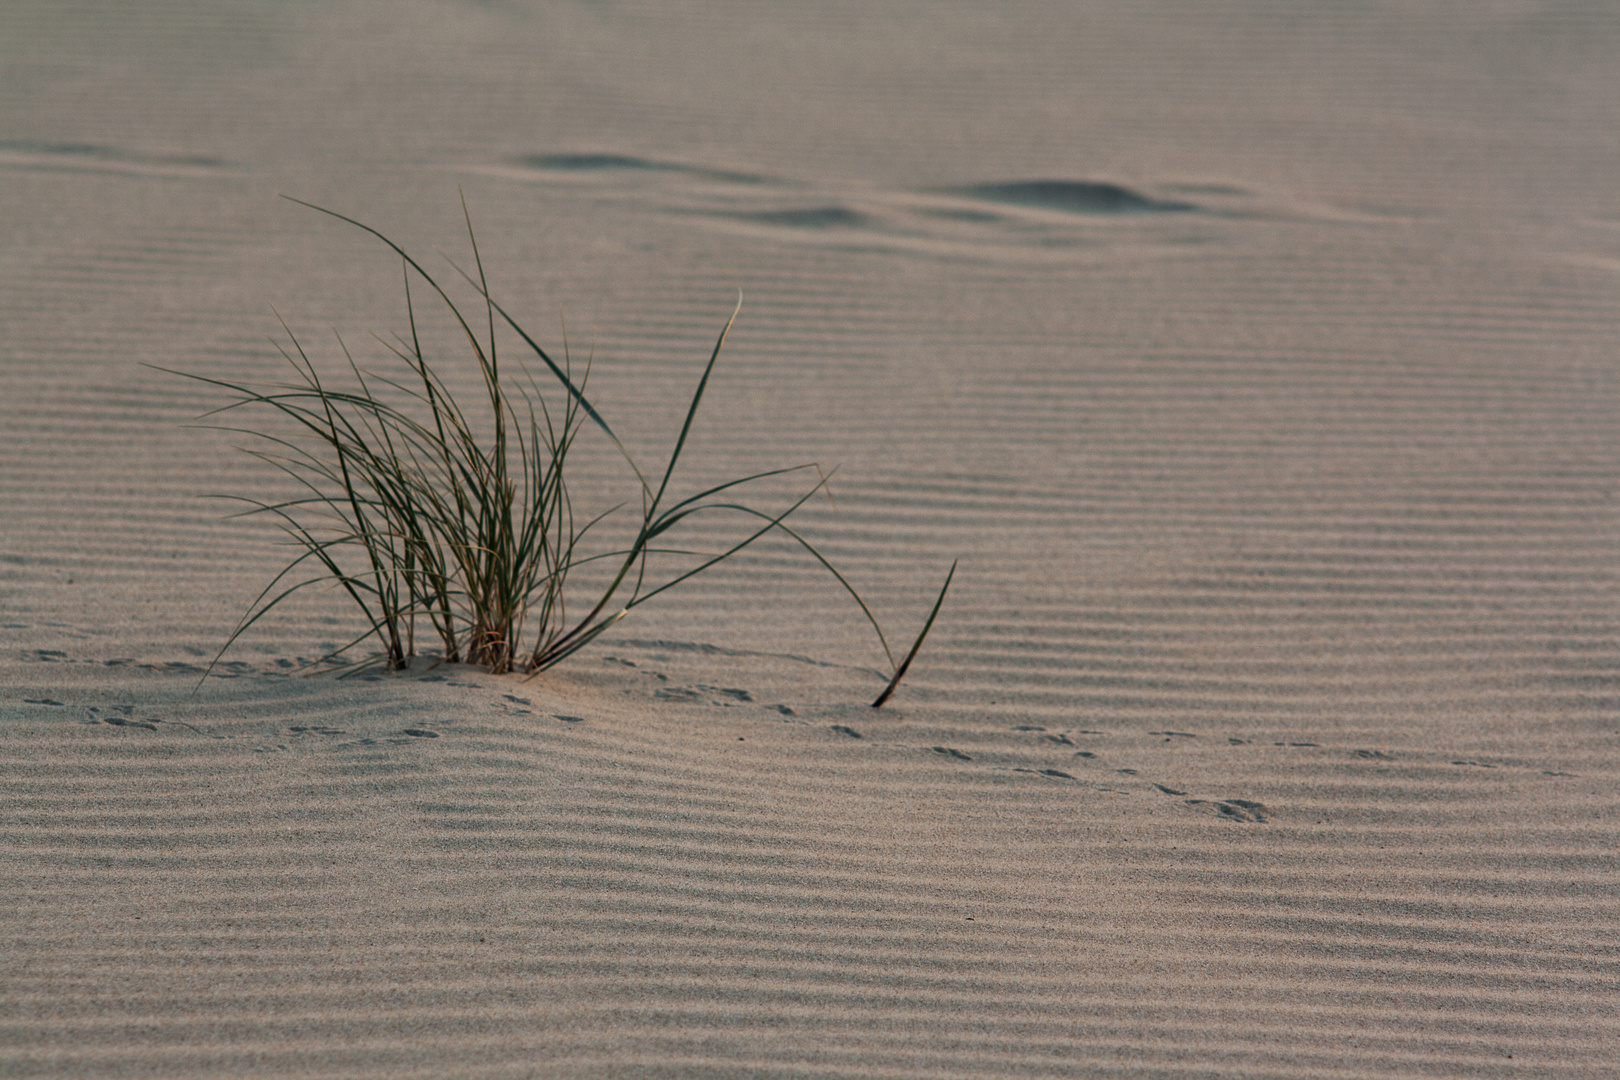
[(691, 410), (905, 664)]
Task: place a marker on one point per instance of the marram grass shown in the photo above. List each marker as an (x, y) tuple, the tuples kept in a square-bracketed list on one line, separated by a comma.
[(457, 517)]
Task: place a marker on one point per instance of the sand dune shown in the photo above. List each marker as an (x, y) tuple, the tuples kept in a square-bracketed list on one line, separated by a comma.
[(1259, 366)]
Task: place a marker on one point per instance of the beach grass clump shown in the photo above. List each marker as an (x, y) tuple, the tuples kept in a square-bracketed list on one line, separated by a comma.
[(458, 517)]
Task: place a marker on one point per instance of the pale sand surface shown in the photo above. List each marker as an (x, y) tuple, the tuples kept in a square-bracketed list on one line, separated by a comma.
[(1270, 731)]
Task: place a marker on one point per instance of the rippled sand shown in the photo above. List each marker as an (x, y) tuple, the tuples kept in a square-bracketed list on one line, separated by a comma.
[(1259, 364)]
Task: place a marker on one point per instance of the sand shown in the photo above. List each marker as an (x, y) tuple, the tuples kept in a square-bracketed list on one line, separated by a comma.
[(1259, 364)]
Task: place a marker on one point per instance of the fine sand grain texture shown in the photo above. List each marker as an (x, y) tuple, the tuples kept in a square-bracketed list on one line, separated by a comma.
[(1261, 364)]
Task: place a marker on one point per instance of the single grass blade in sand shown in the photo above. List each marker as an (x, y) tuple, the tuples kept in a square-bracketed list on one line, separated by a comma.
[(905, 665)]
